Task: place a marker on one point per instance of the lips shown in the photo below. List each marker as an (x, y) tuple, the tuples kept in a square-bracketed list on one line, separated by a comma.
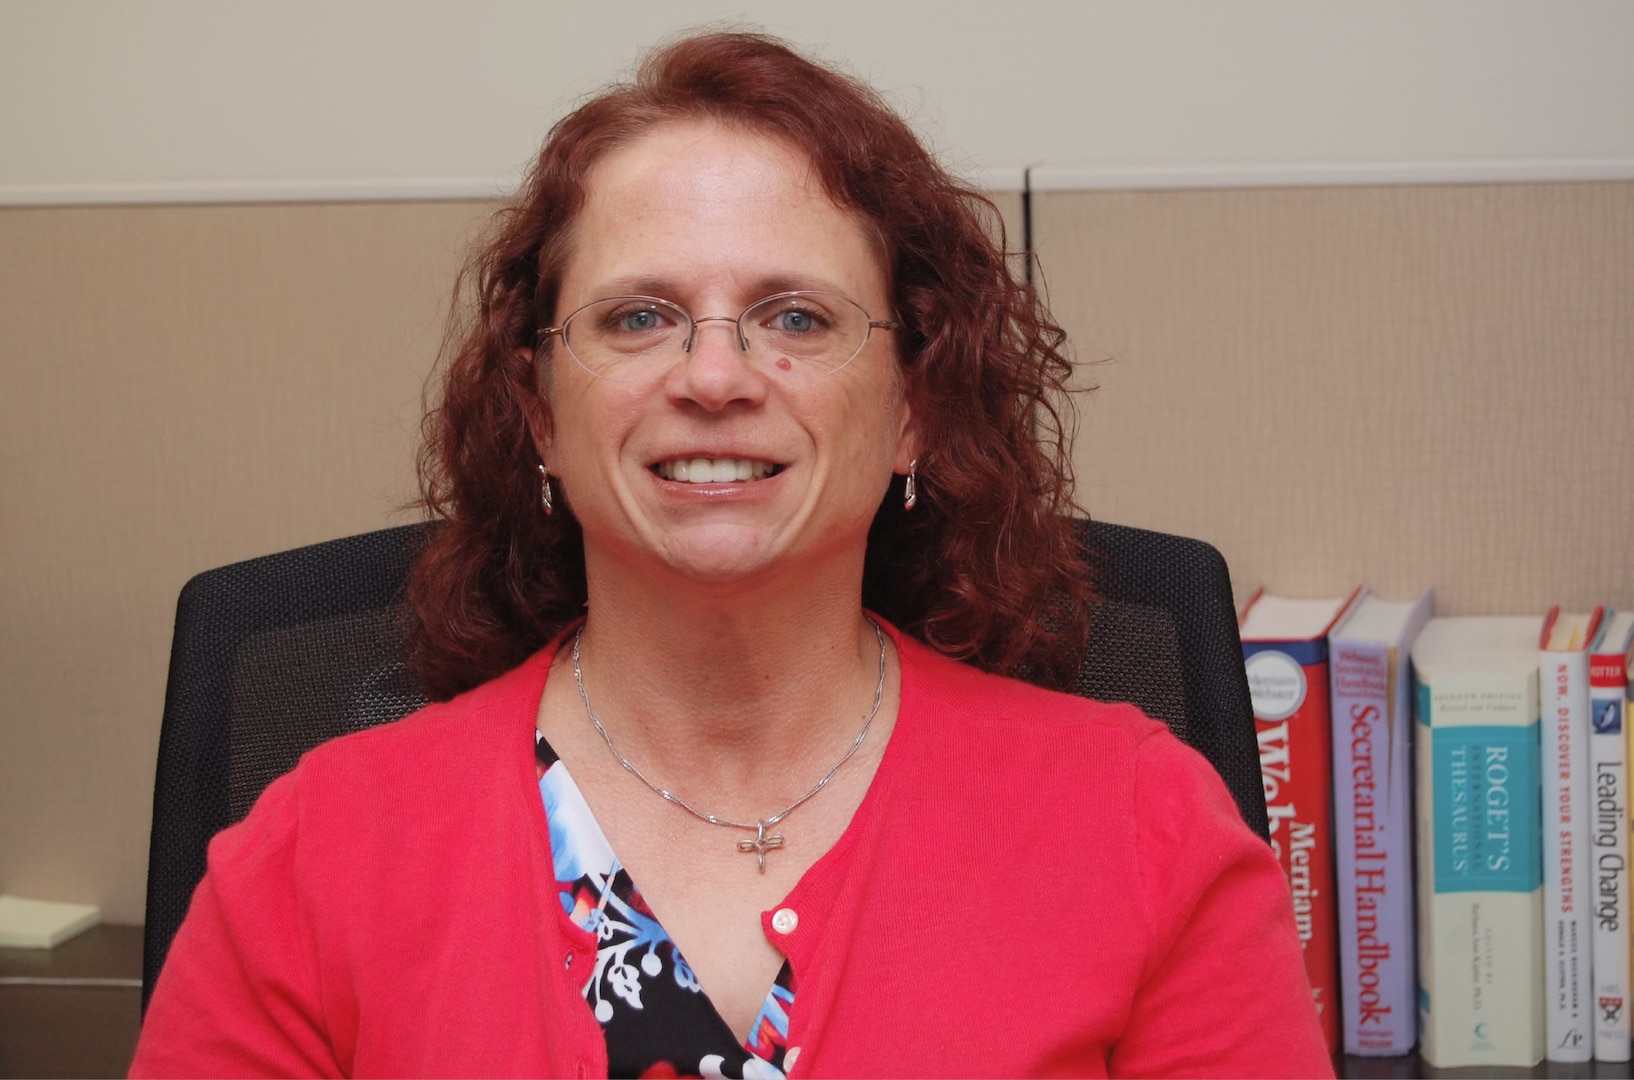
[(703, 470)]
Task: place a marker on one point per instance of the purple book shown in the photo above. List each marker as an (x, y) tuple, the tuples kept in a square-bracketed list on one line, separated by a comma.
[(1373, 821)]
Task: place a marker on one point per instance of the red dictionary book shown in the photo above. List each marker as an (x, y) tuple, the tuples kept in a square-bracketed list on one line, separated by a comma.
[(1285, 647)]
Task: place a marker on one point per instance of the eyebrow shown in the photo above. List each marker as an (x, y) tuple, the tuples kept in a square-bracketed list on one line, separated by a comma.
[(663, 288), (668, 289)]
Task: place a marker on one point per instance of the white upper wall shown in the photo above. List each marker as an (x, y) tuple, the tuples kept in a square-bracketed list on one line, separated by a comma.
[(427, 97)]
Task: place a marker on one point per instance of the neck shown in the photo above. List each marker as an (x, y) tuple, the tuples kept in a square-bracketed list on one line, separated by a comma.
[(750, 686)]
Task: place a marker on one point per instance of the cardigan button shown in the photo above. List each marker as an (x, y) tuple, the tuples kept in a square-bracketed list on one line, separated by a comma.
[(789, 1058), (784, 920)]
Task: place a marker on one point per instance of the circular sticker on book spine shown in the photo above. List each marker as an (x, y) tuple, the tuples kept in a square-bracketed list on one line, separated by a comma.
[(1276, 684)]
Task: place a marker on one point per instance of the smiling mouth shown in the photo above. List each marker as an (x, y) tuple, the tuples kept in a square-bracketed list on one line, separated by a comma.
[(715, 470)]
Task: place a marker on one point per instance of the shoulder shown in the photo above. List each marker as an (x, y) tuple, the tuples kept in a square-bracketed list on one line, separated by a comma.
[(476, 729), (453, 783), (958, 699), (426, 772), (1022, 747)]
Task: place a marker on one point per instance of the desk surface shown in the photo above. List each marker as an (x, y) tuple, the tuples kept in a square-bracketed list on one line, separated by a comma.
[(74, 1010)]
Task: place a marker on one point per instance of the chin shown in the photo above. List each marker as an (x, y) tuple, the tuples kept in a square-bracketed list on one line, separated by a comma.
[(709, 559)]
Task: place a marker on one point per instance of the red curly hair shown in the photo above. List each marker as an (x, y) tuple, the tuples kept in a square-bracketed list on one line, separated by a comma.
[(986, 568)]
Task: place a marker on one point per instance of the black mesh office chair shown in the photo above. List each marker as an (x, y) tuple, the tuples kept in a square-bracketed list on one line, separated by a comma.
[(275, 655)]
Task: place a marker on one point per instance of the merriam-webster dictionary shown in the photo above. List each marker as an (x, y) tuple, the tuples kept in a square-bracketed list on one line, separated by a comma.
[(1285, 647)]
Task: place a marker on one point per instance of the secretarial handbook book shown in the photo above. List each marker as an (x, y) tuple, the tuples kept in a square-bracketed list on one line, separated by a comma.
[(1568, 945), (1480, 865), (1608, 761), (1285, 647), (1373, 821)]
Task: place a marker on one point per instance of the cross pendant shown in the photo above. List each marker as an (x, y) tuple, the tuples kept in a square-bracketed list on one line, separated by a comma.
[(761, 844)]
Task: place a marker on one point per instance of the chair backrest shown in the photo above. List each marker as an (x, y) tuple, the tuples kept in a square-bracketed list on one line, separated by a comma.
[(275, 655), (1164, 637)]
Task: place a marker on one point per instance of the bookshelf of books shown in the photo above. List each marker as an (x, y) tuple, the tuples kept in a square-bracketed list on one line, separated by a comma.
[(1413, 387), (1448, 796)]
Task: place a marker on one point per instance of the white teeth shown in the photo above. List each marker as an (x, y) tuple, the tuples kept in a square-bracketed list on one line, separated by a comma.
[(714, 470)]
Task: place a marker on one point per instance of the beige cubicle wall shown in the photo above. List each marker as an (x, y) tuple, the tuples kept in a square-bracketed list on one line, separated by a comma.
[(1404, 385), (1407, 386), (182, 387), (1423, 385)]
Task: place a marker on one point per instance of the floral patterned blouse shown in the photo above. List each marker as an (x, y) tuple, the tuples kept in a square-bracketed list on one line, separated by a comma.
[(656, 1018)]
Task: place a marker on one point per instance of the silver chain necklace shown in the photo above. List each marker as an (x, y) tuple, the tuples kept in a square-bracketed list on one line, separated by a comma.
[(763, 842)]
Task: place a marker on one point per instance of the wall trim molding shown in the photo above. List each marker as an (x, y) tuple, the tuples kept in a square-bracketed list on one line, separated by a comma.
[(1038, 178), (1047, 178), (1011, 179), (212, 192), (359, 189)]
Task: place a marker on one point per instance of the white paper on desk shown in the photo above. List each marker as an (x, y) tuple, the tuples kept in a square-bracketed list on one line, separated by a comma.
[(42, 924)]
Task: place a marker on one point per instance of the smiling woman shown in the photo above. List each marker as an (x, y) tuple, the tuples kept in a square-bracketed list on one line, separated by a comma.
[(752, 492), (795, 391), (978, 358)]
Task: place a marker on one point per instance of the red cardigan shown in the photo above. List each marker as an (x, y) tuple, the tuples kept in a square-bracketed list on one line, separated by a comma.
[(1035, 884)]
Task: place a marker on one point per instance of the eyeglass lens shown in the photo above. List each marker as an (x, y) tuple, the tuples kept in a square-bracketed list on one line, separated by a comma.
[(631, 338)]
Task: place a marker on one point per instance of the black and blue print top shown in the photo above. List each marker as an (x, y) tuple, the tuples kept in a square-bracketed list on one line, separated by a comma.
[(657, 1020)]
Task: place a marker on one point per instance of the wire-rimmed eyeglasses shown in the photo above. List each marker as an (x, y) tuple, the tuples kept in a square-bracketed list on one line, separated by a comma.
[(636, 338)]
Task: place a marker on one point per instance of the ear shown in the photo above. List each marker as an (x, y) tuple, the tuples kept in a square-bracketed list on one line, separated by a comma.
[(536, 410)]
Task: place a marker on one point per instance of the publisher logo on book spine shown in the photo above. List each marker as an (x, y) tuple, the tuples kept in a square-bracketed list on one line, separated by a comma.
[(1276, 684), (1608, 717)]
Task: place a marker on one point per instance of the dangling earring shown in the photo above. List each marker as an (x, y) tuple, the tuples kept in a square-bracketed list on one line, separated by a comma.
[(910, 489), (544, 491)]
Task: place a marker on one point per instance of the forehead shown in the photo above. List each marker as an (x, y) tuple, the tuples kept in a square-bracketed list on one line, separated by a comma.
[(708, 210)]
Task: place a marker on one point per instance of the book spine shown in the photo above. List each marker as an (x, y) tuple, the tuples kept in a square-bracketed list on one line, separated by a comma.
[(1372, 820), (1288, 682), (1608, 749), (1480, 871), (1567, 895)]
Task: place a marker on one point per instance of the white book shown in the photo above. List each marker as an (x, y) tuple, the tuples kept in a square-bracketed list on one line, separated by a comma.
[(1563, 686), (1480, 870), (1609, 661), (1373, 821)]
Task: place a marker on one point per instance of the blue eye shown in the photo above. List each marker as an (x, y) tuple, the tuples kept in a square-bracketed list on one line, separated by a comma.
[(639, 320)]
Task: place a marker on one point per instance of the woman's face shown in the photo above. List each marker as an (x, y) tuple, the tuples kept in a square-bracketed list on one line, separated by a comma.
[(715, 219)]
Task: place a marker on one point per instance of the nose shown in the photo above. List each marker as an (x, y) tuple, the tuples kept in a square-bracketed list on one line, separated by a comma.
[(737, 330), (716, 371)]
